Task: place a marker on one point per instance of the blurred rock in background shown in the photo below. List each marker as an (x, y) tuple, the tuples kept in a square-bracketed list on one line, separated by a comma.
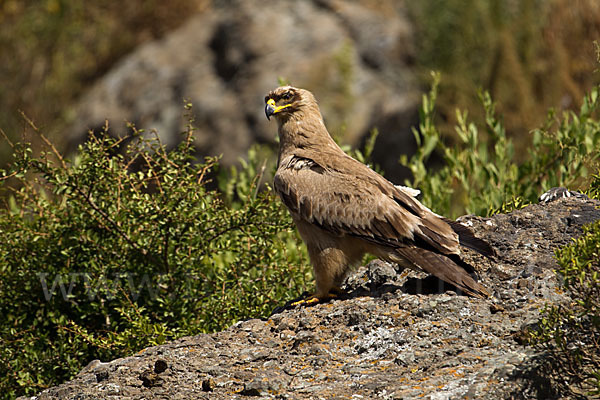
[(355, 58)]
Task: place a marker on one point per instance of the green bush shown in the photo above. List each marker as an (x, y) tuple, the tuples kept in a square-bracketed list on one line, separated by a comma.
[(125, 247)]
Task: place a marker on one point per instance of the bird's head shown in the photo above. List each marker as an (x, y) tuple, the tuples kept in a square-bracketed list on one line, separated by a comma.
[(286, 100)]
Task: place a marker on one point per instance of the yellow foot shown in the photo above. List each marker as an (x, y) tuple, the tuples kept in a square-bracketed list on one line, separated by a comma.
[(334, 293), (309, 301)]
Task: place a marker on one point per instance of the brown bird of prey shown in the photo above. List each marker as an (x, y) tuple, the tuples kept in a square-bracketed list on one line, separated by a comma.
[(343, 209)]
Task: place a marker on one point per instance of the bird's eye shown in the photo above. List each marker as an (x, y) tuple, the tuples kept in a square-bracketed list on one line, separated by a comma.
[(286, 96)]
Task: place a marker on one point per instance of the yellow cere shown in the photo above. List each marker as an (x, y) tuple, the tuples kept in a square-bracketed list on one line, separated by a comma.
[(271, 102)]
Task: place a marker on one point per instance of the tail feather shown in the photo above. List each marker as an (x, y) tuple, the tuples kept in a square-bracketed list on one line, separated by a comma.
[(444, 268), (469, 240)]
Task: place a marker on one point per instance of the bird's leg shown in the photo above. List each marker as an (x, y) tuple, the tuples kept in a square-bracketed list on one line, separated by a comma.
[(329, 265), (326, 290)]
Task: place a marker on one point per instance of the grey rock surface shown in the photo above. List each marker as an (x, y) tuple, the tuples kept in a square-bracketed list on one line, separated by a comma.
[(395, 336), (353, 55)]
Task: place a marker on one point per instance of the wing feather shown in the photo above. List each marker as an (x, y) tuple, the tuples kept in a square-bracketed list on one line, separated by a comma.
[(444, 268), (359, 202)]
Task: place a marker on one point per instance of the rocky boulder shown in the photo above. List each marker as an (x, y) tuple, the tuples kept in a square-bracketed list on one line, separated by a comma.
[(354, 56), (395, 336)]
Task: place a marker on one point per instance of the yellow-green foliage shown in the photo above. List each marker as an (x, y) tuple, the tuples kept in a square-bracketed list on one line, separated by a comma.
[(481, 174)]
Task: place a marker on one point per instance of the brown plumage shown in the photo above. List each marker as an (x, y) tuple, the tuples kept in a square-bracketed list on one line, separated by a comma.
[(343, 209)]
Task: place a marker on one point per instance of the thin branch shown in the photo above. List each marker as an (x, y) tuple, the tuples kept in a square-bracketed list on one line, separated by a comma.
[(45, 139), (3, 178), (206, 168), (258, 179), (5, 136)]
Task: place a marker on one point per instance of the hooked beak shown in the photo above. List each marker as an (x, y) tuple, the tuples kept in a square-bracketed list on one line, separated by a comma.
[(271, 108)]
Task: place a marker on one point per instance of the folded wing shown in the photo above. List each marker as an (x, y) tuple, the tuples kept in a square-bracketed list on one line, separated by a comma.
[(348, 198)]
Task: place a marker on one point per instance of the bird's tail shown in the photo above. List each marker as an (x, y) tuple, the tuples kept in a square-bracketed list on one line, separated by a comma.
[(444, 268), (469, 240)]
